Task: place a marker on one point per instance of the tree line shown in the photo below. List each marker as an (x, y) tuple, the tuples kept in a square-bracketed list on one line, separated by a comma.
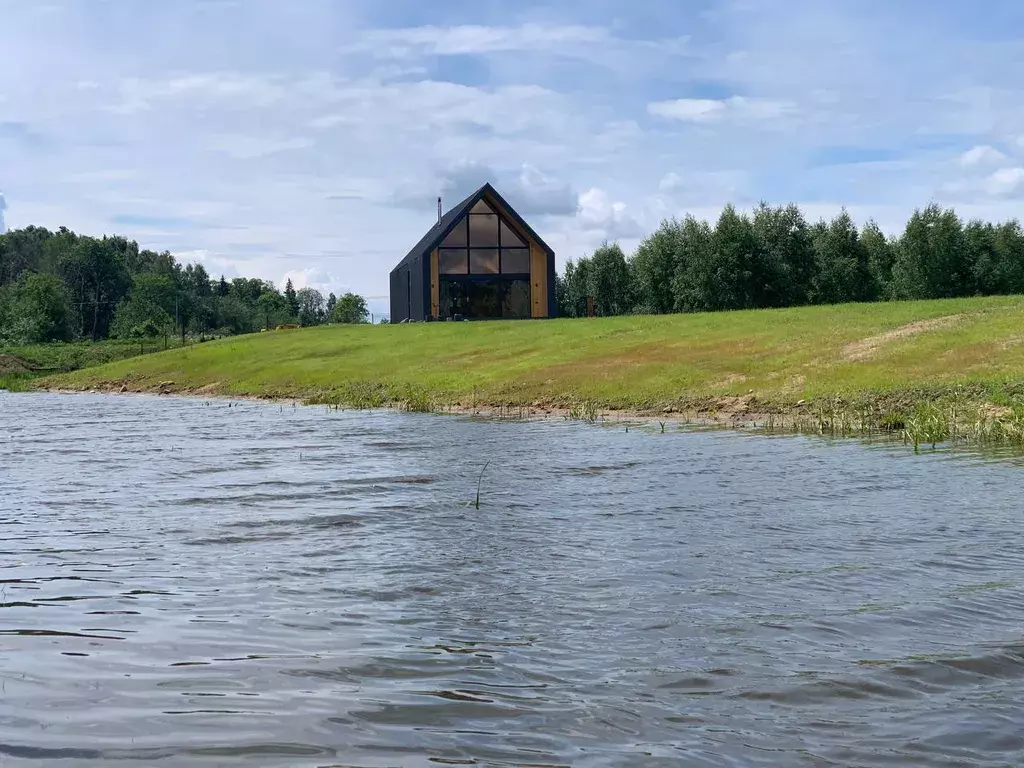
[(774, 258), (60, 286)]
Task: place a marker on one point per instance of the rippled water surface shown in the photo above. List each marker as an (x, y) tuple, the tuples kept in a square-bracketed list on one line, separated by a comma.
[(219, 584)]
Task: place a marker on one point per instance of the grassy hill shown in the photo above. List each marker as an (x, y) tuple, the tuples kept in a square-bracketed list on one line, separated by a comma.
[(20, 364), (892, 356)]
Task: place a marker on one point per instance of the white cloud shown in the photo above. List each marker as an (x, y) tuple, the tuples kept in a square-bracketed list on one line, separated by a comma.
[(531, 191), (980, 156), (214, 264), (1004, 182), (242, 147), (544, 43), (101, 176), (735, 108), (694, 110), (332, 121), (300, 279), (698, 187), (612, 219), (477, 39), (537, 193), (670, 182), (3, 207), (316, 278), (138, 95)]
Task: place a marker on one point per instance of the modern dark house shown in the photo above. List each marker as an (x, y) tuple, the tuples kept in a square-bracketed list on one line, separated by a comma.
[(481, 260)]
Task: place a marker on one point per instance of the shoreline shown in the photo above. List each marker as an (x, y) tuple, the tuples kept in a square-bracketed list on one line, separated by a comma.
[(936, 421), (726, 419), (925, 372)]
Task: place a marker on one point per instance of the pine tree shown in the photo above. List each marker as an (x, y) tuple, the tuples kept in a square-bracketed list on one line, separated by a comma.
[(291, 298)]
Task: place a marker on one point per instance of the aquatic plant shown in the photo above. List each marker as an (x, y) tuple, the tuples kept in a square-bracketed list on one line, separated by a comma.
[(16, 382), (955, 418), (583, 410), (419, 402), (479, 482)]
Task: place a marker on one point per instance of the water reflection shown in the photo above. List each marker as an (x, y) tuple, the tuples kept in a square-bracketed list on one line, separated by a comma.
[(198, 584)]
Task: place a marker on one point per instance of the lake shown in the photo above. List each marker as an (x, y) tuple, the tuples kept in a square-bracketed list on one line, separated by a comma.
[(245, 584)]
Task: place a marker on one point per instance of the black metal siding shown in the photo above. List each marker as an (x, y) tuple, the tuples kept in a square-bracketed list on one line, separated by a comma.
[(400, 294), (416, 309), (427, 308), (396, 302)]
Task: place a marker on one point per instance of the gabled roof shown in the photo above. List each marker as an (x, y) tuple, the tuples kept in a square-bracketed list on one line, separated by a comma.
[(440, 230)]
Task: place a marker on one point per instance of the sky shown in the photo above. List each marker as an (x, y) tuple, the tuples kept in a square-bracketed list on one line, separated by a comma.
[(310, 139)]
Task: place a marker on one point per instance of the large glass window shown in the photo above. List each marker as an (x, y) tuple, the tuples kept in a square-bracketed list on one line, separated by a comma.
[(483, 230), (516, 299), (483, 262), (452, 261), (515, 261), (453, 298), (457, 237), (484, 299), (509, 238)]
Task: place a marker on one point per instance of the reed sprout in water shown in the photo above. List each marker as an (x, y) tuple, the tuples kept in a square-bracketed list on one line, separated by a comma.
[(479, 482), (583, 410)]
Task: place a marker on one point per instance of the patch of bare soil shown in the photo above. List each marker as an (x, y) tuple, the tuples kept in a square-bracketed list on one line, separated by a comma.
[(12, 364), (993, 411), (731, 405), (865, 349), (731, 380), (209, 389)]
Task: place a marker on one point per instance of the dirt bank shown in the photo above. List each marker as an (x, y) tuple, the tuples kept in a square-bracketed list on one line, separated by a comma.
[(10, 364)]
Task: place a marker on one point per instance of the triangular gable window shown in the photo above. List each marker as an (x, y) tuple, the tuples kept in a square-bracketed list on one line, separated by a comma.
[(509, 238), (457, 237), (484, 243)]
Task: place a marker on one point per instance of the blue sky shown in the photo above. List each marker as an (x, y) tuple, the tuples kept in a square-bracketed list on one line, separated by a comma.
[(311, 138)]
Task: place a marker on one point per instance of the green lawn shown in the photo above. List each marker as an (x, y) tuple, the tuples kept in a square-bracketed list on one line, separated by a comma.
[(636, 362)]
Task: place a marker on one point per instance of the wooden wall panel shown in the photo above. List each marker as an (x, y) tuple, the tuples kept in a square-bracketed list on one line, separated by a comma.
[(539, 280)]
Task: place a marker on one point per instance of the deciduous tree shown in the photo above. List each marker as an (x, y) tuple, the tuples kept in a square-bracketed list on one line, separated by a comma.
[(351, 308)]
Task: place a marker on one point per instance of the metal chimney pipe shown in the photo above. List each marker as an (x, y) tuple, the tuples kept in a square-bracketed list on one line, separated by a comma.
[(438, 210)]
